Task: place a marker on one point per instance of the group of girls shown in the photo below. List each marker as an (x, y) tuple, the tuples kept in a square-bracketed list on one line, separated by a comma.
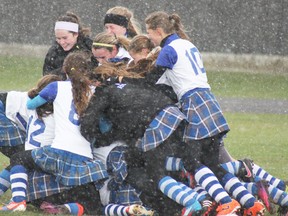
[(125, 127)]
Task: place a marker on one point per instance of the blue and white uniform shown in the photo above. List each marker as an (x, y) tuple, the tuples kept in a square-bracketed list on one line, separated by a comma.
[(70, 155), (186, 74), (16, 109), (40, 132)]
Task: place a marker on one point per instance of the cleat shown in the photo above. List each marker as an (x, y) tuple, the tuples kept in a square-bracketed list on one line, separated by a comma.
[(263, 195), (246, 170), (282, 211), (228, 209), (139, 210), (194, 209), (209, 207), (258, 209), (50, 208), (14, 206)]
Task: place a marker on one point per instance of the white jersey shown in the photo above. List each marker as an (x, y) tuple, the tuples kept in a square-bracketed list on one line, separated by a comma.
[(16, 109), (187, 72), (67, 125), (40, 132)]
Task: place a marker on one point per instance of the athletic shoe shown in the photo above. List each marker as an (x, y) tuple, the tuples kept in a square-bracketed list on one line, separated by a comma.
[(246, 170), (209, 207), (263, 195), (194, 209), (14, 206), (139, 210), (50, 208), (283, 211), (228, 209), (258, 209)]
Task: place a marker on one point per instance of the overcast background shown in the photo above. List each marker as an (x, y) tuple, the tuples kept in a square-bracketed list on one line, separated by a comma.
[(224, 26)]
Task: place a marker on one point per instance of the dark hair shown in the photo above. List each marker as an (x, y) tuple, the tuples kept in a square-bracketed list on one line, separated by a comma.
[(47, 108), (72, 17)]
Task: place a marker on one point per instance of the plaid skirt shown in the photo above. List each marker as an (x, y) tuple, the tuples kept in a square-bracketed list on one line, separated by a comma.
[(41, 185), (67, 167), (204, 115), (10, 134), (161, 127)]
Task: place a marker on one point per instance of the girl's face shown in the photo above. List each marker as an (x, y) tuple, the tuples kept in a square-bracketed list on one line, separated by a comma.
[(103, 54), (115, 29), (154, 35), (66, 39)]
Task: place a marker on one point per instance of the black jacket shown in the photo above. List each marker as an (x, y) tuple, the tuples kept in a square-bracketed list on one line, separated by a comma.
[(129, 107), (55, 57)]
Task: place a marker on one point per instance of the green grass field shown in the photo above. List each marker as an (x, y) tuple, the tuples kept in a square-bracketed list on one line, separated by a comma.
[(262, 137)]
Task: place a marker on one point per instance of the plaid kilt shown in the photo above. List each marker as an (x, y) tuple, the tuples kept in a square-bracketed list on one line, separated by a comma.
[(125, 195), (116, 163), (41, 185), (204, 115), (161, 127), (10, 133), (67, 167)]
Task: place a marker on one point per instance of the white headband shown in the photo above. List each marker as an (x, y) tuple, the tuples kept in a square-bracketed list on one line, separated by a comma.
[(69, 26)]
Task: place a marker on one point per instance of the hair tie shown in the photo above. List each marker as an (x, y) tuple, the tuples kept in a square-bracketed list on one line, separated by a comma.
[(103, 44), (72, 69)]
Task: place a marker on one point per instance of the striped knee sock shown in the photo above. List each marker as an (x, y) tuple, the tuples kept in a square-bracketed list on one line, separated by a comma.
[(115, 210), (238, 191), (192, 192), (174, 191), (251, 187), (232, 167), (173, 164), (18, 179), (278, 196), (4, 181), (206, 178), (201, 191), (258, 171)]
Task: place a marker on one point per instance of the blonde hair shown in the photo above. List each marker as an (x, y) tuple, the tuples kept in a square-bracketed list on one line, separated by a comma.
[(103, 39), (169, 23), (118, 69), (133, 27)]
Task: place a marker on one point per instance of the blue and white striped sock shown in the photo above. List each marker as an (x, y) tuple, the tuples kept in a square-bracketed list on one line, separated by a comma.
[(232, 167), (201, 191), (173, 164), (18, 179), (261, 173), (177, 192), (278, 196), (232, 184), (115, 210), (251, 187), (4, 181), (206, 178)]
